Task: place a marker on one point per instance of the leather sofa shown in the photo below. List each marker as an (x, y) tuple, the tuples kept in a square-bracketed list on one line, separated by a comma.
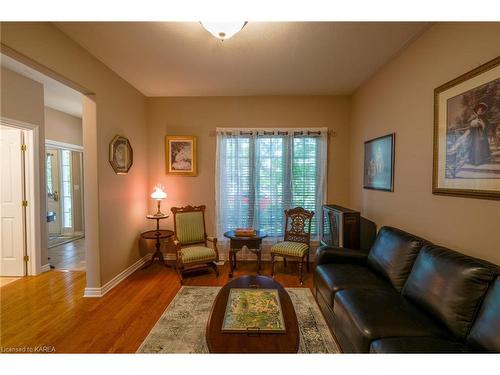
[(407, 295)]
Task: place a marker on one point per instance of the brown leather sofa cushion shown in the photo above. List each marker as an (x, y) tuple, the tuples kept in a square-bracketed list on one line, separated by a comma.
[(364, 315), (485, 331), (448, 285), (417, 345), (330, 278), (393, 254), (327, 254)]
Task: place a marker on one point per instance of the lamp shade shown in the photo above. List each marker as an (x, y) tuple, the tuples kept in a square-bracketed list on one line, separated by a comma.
[(158, 193), (223, 30)]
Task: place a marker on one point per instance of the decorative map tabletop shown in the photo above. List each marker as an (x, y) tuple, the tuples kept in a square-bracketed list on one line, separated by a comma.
[(253, 310)]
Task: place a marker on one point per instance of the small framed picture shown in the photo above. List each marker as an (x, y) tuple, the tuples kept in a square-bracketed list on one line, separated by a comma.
[(120, 155), (467, 134), (181, 155), (379, 163)]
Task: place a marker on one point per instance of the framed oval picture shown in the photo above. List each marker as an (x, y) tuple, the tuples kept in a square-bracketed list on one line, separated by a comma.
[(120, 155), (180, 153)]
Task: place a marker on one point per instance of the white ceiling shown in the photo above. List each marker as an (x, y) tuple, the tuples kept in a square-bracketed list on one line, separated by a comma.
[(265, 58), (56, 95)]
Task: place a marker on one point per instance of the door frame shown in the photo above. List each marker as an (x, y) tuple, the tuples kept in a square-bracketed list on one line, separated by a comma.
[(90, 174), (76, 148), (32, 227)]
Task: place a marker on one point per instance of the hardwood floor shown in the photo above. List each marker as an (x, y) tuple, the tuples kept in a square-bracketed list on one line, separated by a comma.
[(49, 309), (4, 280), (68, 256)]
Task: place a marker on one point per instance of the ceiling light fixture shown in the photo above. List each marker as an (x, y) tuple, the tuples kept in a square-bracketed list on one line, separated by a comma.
[(223, 30)]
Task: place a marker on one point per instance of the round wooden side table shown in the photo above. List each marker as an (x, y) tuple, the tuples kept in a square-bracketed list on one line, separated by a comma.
[(158, 234)]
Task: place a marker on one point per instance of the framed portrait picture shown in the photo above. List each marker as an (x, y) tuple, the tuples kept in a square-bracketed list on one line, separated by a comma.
[(181, 155), (467, 134), (379, 163), (120, 155)]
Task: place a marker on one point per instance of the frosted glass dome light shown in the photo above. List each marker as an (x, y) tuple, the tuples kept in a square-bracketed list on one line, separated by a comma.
[(159, 193), (223, 30)]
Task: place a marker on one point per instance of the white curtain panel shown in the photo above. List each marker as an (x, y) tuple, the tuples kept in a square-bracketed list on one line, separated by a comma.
[(261, 172)]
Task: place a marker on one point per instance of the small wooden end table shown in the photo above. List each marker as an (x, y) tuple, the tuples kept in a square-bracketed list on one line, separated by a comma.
[(236, 243), (157, 235)]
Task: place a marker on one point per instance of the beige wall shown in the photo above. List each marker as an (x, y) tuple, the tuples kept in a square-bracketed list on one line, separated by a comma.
[(62, 127), (22, 100), (200, 116), (399, 99), (120, 110)]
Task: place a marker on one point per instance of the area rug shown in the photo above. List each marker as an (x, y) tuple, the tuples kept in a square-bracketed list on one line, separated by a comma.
[(181, 328)]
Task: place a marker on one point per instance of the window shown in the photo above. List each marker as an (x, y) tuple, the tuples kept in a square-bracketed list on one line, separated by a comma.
[(67, 203), (261, 172), (48, 173)]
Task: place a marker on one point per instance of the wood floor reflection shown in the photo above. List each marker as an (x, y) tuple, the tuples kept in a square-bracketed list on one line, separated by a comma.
[(49, 309), (68, 256)]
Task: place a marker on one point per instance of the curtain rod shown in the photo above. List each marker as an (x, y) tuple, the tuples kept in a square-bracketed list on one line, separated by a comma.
[(272, 131)]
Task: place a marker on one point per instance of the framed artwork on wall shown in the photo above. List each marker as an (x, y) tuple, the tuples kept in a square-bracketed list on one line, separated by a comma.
[(180, 153), (120, 155), (378, 171), (467, 134)]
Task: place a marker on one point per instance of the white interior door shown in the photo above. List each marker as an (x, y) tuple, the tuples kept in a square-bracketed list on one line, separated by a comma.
[(11, 197), (53, 190)]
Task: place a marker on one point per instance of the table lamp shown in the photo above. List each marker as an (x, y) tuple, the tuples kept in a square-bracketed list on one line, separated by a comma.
[(159, 195)]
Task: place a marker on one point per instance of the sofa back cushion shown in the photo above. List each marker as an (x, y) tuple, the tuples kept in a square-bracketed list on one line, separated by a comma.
[(393, 254), (448, 285), (485, 332)]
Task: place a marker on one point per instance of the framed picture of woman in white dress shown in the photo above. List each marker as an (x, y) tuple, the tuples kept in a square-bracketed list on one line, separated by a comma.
[(467, 134), (181, 155)]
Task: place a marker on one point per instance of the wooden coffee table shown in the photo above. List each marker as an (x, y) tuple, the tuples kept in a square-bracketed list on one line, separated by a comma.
[(224, 342)]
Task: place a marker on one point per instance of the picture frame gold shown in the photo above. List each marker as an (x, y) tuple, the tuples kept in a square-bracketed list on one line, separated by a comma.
[(121, 155), (466, 145), (181, 155)]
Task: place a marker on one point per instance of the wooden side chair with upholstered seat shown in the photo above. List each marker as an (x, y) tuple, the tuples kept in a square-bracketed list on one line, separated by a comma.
[(191, 248), (296, 240)]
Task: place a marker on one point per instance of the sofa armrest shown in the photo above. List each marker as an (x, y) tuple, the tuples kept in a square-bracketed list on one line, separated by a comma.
[(326, 254)]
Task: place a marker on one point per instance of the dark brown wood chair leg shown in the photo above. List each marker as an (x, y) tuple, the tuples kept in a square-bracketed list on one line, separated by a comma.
[(307, 262), (301, 264), (284, 262), (214, 266), (179, 273)]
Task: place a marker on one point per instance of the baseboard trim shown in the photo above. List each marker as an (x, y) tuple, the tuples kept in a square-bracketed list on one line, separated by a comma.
[(99, 292), (45, 268), (92, 292)]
